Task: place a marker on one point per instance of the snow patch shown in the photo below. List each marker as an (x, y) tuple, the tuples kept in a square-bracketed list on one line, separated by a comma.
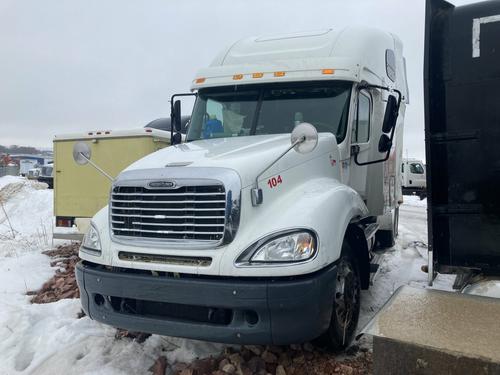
[(26, 216)]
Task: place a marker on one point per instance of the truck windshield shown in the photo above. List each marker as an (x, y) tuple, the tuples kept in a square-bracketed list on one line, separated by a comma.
[(416, 168), (270, 109)]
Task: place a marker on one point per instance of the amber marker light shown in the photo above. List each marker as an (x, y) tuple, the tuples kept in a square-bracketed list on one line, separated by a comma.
[(237, 77), (328, 71), (200, 80), (257, 75), (279, 74)]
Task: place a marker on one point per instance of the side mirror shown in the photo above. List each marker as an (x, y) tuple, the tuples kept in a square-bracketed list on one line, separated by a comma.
[(81, 156), (81, 153), (384, 143), (176, 116), (304, 138), (391, 115)]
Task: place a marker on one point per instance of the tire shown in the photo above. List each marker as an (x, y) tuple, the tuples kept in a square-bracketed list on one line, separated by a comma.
[(346, 304), (387, 238)]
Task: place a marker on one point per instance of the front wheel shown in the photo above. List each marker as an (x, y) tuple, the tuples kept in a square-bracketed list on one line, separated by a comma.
[(346, 304)]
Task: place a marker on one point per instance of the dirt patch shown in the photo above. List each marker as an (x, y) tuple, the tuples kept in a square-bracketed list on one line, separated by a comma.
[(63, 283), (274, 360), (139, 337)]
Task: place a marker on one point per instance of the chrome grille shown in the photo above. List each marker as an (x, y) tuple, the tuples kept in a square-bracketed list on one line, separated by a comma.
[(182, 213)]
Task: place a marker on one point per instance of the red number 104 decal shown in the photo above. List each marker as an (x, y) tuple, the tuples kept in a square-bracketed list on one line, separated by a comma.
[(274, 181)]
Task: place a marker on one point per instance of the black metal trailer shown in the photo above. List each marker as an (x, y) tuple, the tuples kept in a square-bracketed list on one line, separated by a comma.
[(425, 331), (462, 129)]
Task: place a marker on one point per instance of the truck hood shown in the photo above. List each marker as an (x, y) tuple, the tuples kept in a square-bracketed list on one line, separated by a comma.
[(246, 155)]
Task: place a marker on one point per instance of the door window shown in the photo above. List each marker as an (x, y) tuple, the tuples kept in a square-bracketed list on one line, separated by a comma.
[(361, 133)]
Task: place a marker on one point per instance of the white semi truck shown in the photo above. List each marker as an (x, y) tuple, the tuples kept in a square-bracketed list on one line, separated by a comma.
[(259, 228), (413, 179)]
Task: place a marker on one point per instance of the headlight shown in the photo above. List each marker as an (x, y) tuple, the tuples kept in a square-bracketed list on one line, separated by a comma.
[(292, 247), (91, 239)]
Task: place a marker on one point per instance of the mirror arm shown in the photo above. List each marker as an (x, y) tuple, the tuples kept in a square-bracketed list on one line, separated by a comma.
[(256, 191), (172, 100), (97, 167), (379, 160), (373, 161)]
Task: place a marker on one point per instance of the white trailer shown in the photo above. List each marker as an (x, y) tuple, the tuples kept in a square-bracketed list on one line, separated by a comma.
[(413, 178), (259, 228)]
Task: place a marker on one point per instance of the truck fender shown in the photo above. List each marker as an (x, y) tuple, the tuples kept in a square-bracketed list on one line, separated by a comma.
[(324, 205), (356, 238)]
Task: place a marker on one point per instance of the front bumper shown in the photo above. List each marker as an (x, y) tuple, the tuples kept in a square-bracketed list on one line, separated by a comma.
[(230, 310)]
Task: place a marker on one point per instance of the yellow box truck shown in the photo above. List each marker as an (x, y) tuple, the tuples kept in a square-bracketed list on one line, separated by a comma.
[(81, 191)]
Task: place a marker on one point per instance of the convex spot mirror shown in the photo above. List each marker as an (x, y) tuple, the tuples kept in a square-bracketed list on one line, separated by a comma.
[(384, 143), (81, 153), (307, 137), (391, 114)]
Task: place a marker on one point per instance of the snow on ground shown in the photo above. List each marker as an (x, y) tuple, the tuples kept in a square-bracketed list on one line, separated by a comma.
[(50, 339), (25, 215)]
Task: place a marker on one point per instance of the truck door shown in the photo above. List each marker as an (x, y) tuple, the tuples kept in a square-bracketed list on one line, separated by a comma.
[(360, 137), (416, 175)]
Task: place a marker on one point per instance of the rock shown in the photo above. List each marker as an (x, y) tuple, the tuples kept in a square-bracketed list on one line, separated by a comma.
[(346, 369), (236, 359), (284, 359), (204, 366), (299, 360), (295, 347), (308, 347), (255, 364), (269, 357), (229, 369), (275, 349), (280, 370), (186, 371), (309, 356), (222, 363), (179, 366), (254, 349), (160, 366)]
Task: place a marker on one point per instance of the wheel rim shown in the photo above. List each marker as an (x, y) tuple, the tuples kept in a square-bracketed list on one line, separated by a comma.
[(346, 295)]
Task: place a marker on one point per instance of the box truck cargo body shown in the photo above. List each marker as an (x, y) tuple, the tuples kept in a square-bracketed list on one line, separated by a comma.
[(81, 191)]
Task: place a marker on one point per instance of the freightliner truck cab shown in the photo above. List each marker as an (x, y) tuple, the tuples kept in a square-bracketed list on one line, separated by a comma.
[(259, 227)]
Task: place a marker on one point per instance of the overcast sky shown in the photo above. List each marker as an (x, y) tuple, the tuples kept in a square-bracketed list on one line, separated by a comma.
[(81, 65)]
